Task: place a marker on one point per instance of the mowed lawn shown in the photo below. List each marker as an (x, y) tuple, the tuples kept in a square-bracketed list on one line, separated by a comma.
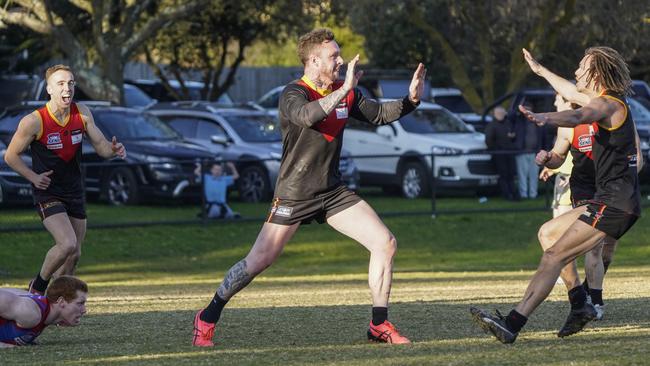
[(313, 306)]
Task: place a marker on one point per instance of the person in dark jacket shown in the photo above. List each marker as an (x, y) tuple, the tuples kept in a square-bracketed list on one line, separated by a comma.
[(499, 139)]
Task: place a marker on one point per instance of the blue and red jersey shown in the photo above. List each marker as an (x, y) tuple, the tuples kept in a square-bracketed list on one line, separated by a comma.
[(11, 333)]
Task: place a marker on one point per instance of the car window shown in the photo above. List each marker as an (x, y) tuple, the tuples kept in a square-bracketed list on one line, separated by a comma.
[(640, 114), (270, 100), (397, 89), (355, 124), (186, 126), (9, 121), (255, 128), (424, 121), (15, 90), (455, 103), (207, 129), (133, 126), (135, 97), (541, 103)]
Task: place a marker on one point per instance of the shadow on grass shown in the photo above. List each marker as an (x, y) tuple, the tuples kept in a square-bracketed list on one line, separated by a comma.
[(441, 332)]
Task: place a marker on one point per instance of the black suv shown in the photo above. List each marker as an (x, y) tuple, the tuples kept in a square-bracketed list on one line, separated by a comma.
[(159, 164)]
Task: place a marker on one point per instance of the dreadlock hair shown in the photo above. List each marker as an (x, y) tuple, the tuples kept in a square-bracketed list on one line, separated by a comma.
[(609, 70)]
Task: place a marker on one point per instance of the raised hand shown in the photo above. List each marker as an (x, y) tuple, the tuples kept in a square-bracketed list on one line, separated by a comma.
[(118, 148), (539, 119), (534, 65), (43, 180), (351, 75), (416, 89), (545, 174)]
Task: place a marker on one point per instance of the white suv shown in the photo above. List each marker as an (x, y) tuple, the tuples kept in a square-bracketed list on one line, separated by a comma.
[(460, 159)]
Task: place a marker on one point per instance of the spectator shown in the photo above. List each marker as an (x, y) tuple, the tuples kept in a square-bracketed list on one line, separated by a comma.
[(499, 138), (216, 188), (529, 138)]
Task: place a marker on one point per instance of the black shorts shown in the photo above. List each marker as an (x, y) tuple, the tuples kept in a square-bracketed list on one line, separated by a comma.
[(288, 212), (581, 196), (50, 205), (609, 220)]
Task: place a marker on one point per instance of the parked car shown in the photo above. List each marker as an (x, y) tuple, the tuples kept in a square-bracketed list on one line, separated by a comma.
[(159, 164), (460, 160), (641, 92), (243, 134), (14, 189), (134, 97), (156, 90), (454, 101), (16, 88)]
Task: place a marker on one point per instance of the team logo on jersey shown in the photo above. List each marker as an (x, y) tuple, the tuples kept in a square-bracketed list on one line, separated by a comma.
[(76, 136), (584, 143), (283, 211), (54, 141), (341, 112)]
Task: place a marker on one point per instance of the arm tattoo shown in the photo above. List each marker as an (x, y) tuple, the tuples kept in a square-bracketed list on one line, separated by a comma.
[(329, 102), (236, 279)]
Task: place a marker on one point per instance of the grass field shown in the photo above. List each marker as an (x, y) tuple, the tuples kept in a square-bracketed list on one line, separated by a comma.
[(312, 306)]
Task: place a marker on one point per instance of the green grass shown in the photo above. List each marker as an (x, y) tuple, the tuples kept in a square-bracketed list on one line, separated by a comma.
[(312, 306)]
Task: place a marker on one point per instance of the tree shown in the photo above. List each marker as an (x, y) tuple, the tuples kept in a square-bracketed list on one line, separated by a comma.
[(96, 37), (476, 46), (217, 39)]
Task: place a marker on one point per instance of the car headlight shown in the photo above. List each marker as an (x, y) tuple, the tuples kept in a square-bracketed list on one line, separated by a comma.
[(275, 155), (156, 162), (443, 150)]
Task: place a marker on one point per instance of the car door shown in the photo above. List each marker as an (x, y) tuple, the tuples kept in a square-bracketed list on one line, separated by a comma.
[(364, 139)]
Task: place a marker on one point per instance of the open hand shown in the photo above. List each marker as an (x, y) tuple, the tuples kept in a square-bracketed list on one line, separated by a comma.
[(545, 174), (118, 148), (538, 118), (351, 75), (416, 89), (534, 65)]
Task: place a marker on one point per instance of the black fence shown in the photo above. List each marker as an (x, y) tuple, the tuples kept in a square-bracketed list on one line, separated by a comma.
[(442, 177)]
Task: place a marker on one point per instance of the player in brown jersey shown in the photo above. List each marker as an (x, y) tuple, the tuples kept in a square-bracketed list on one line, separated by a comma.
[(55, 133), (313, 112), (602, 81)]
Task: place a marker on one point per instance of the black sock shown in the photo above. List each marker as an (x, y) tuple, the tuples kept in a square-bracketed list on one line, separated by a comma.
[(596, 296), (212, 313), (577, 297), (515, 321), (379, 315), (40, 284), (585, 285)]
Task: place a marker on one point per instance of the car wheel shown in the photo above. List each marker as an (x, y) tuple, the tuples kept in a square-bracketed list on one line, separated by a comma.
[(414, 181), (253, 184), (121, 187)]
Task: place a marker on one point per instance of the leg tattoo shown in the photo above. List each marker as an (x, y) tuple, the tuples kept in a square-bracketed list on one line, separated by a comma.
[(236, 279)]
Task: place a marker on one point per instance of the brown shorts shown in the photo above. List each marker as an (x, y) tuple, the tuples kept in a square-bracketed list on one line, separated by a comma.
[(288, 212), (50, 205), (609, 220)]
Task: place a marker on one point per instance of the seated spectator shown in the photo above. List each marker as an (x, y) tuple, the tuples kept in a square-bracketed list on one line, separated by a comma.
[(215, 186)]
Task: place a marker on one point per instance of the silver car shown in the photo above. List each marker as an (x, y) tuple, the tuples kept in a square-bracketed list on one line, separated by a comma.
[(243, 134)]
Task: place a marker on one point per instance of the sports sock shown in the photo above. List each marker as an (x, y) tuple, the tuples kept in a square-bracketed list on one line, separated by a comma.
[(577, 297), (212, 312), (596, 296), (585, 285), (515, 321), (379, 315), (40, 284)]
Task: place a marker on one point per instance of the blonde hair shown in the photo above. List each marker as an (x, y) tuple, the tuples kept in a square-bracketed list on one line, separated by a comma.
[(52, 69), (65, 287), (609, 70), (307, 42)]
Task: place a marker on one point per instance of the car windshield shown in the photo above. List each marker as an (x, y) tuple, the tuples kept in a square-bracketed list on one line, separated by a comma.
[(423, 121), (133, 126), (455, 103), (640, 114), (255, 128)]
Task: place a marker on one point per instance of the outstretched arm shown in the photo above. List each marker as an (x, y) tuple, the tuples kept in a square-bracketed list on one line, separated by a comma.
[(106, 149), (598, 110), (562, 86)]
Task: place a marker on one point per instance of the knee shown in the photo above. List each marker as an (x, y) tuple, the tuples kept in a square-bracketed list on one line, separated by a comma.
[(389, 247), (545, 237), (69, 246)]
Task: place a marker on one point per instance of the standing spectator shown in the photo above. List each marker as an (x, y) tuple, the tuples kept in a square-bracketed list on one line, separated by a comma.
[(499, 138), (529, 138)]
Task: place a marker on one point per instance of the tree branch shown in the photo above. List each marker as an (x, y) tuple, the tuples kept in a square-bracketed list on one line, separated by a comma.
[(84, 5), (22, 18)]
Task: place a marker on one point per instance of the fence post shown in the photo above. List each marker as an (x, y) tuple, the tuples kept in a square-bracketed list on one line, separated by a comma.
[(432, 179)]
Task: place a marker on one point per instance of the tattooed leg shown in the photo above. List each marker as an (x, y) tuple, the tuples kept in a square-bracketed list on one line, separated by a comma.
[(236, 279)]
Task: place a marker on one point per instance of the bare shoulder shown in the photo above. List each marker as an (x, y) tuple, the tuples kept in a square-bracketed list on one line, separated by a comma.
[(84, 111), (31, 123)]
